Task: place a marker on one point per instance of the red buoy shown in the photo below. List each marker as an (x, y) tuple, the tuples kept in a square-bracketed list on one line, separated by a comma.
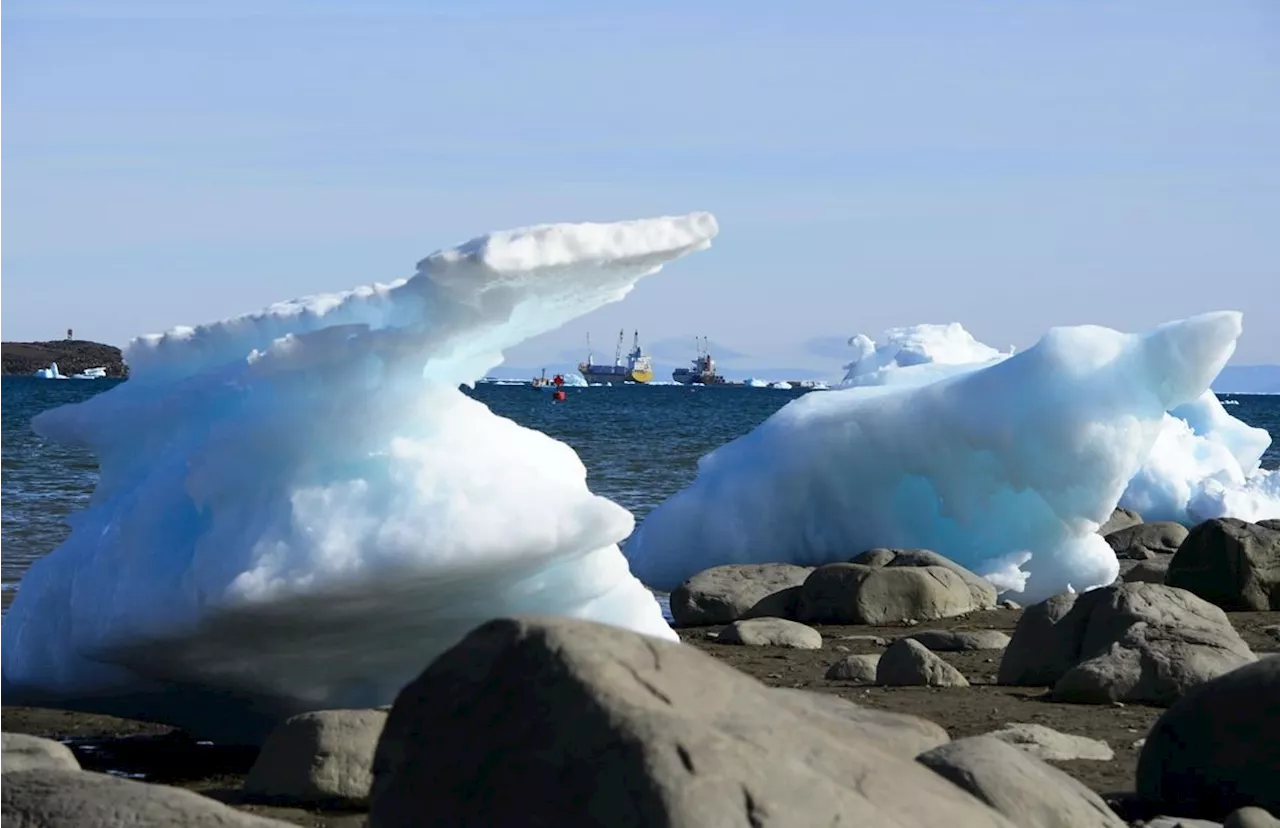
[(558, 396)]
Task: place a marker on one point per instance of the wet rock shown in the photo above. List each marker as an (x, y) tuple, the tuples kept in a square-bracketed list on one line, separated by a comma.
[(21, 752), (1052, 745), (1018, 785), (857, 668), (955, 641), (1128, 643), (322, 756), (771, 632), (1230, 563), (1218, 748), (724, 594), (908, 663), (58, 799), (558, 721)]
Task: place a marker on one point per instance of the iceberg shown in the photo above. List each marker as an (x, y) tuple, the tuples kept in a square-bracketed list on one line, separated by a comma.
[(1007, 467), (1205, 464), (931, 351), (299, 509)]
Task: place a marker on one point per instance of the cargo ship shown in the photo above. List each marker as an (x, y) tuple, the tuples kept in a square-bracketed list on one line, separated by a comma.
[(638, 367), (704, 368)]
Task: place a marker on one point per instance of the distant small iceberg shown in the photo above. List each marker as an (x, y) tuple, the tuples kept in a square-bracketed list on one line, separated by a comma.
[(52, 372)]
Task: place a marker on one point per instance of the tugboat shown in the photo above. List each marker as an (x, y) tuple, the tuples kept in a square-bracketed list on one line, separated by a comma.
[(704, 368), (638, 368)]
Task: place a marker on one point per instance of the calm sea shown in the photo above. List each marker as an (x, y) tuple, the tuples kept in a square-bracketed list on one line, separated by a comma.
[(639, 444)]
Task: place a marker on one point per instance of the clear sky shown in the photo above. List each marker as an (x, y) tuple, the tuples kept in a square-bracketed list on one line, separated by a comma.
[(1010, 166)]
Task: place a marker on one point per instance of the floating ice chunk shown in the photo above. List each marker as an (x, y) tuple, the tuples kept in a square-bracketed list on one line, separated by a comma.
[(930, 351), (299, 509), (1025, 456), (574, 381)]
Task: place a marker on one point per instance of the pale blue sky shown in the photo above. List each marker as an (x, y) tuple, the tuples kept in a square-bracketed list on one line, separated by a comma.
[(1007, 165)]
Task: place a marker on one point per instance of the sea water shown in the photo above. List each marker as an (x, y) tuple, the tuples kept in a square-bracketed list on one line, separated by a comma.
[(640, 445)]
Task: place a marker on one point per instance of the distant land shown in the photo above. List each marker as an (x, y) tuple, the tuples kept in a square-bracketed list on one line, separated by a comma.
[(72, 356), (1248, 379)]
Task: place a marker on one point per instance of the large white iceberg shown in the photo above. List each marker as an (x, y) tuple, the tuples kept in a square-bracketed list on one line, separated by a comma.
[(299, 509), (1205, 463), (1007, 468)]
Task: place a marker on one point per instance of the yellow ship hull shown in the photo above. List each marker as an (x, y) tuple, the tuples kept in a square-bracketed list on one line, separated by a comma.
[(641, 375)]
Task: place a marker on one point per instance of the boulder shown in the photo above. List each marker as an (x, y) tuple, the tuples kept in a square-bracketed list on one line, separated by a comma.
[(908, 663), (898, 733), (771, 632), (724, 594), (983, 591), (1231, 563), (20, 752), (857, 668), (848, 593), (955, 641), (59, 798), (1120, 519), (1150, 571), (1052, 745), (1217, 748), (1270, 523), (322, 756), (1018, 785), (1146, 540), (1132, 643), (1045, 643), (1251, 817), (559, 721)]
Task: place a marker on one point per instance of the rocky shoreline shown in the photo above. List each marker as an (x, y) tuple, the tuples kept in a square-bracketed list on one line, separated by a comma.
[(783, 706), (72, 355)]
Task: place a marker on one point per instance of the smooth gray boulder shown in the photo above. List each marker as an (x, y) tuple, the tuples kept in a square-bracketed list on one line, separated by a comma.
[(61, 799), (771, 632), (1230, 563), (1132, 643), (847, 593), (1120, 519), (955, 641), (856, 668), (1218, 748), (724, 594), (983, 591), (558, 721), (898, 733), (20, 752), (1251, 817), (1052, 745), (1018, 785), (1147, 540), (1149, 571), (908, 663), (1045, 643), (322, 756)]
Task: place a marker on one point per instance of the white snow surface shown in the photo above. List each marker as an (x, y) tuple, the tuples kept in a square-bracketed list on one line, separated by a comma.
[(1007, 468), (299, 509)]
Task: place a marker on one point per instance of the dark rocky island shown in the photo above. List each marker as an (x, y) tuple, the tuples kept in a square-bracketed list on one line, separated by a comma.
[(72, 356)]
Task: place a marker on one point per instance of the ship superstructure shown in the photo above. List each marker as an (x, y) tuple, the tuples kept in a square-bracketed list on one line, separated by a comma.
[(637, 368), (703, 371)]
